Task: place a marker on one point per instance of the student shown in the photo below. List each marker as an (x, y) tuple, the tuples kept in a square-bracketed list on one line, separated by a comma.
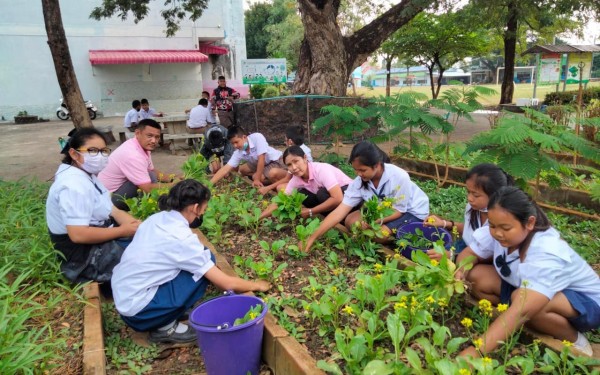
[(322, 183), (147, 112), (294, 136), (200, 118), (216, 144), (262, 161), (133, 117), (81, 218), (223, 98), (522, 261), (130, 167), (166, 268), (211, 109), (382, 180), (482, 181)]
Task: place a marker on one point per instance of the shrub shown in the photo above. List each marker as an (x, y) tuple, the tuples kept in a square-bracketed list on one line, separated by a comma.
[(570, 97), (257, 90), (270, 92)]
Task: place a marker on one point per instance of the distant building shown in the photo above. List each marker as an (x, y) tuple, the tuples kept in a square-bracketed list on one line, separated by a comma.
[(118, 61)]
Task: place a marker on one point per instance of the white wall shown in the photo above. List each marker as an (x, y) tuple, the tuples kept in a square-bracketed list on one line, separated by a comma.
[(28, 79)]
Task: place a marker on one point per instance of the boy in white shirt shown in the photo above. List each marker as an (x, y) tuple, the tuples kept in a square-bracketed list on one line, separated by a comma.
[(294, 136), (133, 117), (263, 162), (147, 112)]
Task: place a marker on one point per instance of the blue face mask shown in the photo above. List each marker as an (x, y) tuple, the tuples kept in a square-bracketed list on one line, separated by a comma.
[(245, 147)]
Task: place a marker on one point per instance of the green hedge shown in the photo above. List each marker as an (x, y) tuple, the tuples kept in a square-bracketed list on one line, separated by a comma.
[(569, 97)]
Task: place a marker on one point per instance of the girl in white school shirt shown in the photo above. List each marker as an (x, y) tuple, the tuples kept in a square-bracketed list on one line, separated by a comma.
[(383, 180), (521, 260)]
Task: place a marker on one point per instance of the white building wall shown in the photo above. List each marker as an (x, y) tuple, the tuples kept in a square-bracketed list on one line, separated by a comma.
[(28, 79)]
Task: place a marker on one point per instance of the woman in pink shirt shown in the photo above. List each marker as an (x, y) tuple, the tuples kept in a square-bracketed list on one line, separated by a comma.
[(322, 183)]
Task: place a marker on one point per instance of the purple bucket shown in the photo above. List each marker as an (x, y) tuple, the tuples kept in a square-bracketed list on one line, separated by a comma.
[(430, 233), (228, 349)]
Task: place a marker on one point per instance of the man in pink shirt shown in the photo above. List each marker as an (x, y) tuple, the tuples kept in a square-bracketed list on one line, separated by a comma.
[(130, 166)]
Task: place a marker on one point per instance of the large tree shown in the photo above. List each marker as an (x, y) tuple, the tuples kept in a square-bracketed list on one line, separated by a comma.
[(256, 37), (327, 57), (65, 73)]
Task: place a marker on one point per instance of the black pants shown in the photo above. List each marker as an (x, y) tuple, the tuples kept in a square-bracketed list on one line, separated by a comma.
[(313, 200)]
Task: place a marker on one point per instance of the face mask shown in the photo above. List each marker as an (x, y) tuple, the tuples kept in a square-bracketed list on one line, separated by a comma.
[(245, 147), (197, 222), (94, 164)]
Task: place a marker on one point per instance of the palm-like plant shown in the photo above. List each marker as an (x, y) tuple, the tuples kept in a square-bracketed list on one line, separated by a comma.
[(341, 122)]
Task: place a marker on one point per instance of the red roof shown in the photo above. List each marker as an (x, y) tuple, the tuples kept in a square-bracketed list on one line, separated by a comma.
[(98, 57), (211, 49)]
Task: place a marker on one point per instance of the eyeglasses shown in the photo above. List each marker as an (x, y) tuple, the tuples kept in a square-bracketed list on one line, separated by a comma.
[(93, 151), (502, 264)]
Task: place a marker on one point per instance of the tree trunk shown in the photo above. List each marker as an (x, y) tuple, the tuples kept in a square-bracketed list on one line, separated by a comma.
[(59, 48), (388, 75), (327, 57), (431, 82), (510, 48), (439, 82)]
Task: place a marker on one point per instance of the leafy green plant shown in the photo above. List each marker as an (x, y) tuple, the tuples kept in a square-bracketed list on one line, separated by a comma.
[(195, 168), (146, 205), (256, 90), (252, 314), (341, 122), (274, 248), (22, 113), (289, 206), (270, 92)]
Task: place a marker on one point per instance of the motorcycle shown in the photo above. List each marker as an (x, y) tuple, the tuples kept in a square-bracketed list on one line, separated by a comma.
[(62, 112)]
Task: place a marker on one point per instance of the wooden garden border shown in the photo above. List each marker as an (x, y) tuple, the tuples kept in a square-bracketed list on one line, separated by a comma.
[(94, 358)]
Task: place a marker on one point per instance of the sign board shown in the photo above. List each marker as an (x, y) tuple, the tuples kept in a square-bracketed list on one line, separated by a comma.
[(573, 70), (264, 71), (549, 69)]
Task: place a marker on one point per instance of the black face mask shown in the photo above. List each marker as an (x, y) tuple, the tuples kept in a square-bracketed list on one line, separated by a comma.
[(196, 223)]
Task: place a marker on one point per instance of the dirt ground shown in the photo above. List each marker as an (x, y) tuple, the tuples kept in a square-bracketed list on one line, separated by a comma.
[(32, 150)]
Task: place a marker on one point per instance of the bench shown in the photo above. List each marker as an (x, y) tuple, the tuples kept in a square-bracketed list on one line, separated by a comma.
[(196, 139)]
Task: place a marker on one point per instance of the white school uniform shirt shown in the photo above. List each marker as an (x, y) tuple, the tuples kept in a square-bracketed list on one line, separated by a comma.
[(76, 198), (307, 152), (146, 114), (131, 116), (467, 233), (163, 246), (211, 117), (199, 117), (550, 265), (257, 145), (395, 182)]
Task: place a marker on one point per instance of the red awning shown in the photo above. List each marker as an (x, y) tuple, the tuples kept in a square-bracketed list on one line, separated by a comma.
[(211, 49), (99, 57)]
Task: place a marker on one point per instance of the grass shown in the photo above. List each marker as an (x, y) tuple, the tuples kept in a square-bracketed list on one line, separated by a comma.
[(40, 317), (522, 90)]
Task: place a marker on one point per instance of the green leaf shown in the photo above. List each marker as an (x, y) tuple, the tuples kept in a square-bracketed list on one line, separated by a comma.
[(378, 367), (330, 367), (413, 359)]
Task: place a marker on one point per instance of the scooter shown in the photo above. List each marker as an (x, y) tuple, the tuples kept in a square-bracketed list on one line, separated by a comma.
[(62, 112)]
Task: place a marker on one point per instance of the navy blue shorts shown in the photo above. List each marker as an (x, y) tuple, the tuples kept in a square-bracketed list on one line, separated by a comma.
[(588, 309), (406, 218)]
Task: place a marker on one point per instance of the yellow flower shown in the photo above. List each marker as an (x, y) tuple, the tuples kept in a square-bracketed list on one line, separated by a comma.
[(336, 271), (402, 244), (360, 283), (394, 230), (334, 289), (434, 262), (431, 220), (378, 267), (348, 310), (478, 343), (252, 315), (397, 256), (487, 361), (467, 323), (464, 371), (385, 233), (502, 307), (378, 276), (387, 204), (442, 302), (567, 343), (430, 299), (399, 306), (307, 307)]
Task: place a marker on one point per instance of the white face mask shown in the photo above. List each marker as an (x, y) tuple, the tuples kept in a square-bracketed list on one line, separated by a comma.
[(93, 164)]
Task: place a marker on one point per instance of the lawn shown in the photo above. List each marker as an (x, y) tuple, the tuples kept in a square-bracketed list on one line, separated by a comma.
[(522, 90)]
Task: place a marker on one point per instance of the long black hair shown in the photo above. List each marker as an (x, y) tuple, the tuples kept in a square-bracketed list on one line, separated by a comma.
[(522, 207), (77, 139), (368, 154), (295, 150), (489, 178), (183, 194)]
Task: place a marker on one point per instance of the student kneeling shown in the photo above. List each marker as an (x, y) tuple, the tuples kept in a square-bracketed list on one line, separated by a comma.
[(166, 268)]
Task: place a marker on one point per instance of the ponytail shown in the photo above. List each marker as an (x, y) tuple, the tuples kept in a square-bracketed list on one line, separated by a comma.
[(183, 194)]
